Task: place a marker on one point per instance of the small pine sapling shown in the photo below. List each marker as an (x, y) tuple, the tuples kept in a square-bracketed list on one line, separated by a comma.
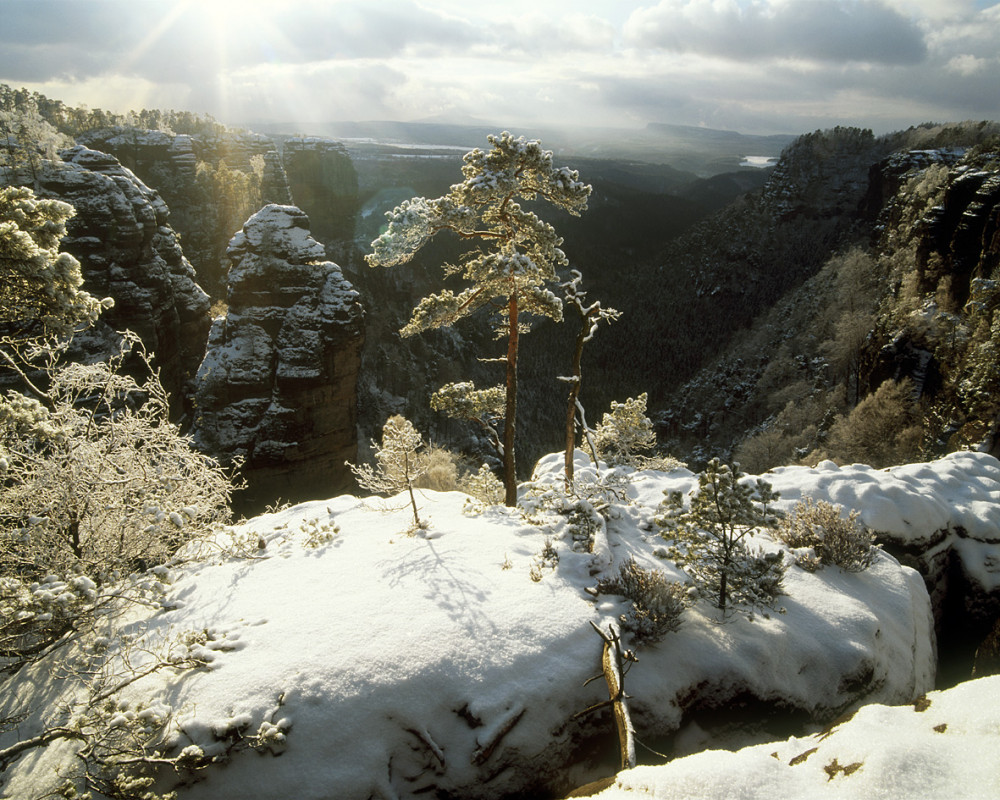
[(625, 433), (713, 528), (484, 487), (398, 463)]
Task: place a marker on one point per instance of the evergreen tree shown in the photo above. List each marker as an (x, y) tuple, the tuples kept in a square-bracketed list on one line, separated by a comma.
[(521, 255), (40, 288), (27, 139), (713, 529), (398, 462)]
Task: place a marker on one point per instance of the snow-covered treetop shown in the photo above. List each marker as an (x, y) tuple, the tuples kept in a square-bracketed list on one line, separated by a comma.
[(526, 251), (40, 294)]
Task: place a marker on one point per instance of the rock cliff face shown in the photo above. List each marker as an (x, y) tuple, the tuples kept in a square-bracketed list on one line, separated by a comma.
[(241, 172), (943, 221), (823, 175), (277, 387), (128, 251), (323, 183)]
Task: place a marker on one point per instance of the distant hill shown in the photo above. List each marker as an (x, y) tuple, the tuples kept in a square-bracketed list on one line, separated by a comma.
[(702, 151)]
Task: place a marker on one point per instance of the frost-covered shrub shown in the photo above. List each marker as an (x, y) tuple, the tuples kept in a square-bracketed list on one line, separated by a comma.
[(657, 603), (625, 433), (33, 615), (581, 514), (399, 461), (661, 463), (97, 480), (318, 533), (548, 558), (484, 486), (710, 533), (40, 293), (584, 523), (440, 470), (822, 534)]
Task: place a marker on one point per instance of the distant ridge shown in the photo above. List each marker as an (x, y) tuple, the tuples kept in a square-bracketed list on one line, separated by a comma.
[(703, 151)]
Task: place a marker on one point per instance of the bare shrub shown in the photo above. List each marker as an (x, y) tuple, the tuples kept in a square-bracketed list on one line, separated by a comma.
[(760, 452), (657, 603), (824, 535)]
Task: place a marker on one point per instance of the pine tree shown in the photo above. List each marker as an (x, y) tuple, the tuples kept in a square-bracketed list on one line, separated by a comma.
[(509, 275), (625, 432), (26, 140), (398, 462), (713, 529)]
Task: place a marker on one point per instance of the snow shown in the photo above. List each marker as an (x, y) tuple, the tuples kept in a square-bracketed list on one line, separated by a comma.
[(378, 663), (279, 229), (950, 749), (952, 504)]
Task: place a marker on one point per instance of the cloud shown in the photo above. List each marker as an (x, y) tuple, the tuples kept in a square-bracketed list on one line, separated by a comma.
[(967, 64), (182, 39), (539, 36), (754, 65), (819, 30)]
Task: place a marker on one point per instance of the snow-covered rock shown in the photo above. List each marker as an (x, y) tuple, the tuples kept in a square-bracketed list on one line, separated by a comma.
[(946, 746), (942, 517), (122, 237), (277, 386), (454, 663)]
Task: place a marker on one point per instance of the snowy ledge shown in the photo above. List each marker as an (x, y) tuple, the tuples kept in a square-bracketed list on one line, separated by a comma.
[(943, 747), (401, 665)]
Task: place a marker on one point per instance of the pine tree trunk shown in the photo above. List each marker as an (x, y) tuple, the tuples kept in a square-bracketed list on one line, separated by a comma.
[(574, 393), (409, 486), (724, 572), (510, 413)]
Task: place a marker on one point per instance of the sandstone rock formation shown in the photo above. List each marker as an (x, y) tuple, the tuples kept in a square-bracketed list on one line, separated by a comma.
[(277, 387), (129, 252), (212, 181)]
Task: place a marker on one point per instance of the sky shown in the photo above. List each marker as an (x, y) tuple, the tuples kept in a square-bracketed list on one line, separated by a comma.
[(756, 66)]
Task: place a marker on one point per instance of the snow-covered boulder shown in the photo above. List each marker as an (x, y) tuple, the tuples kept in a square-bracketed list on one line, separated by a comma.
[(941, 517), (277, 386)]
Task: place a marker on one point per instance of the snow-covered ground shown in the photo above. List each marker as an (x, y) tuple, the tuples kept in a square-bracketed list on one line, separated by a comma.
[(453, 662), (946, 745)]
